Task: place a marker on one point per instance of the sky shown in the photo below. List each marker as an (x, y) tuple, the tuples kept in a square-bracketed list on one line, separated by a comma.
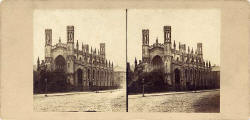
[(92, 26), (188, 26)]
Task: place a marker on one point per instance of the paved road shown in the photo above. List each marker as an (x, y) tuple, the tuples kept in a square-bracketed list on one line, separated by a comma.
[(104, 101), (115, 101), (204, 101)]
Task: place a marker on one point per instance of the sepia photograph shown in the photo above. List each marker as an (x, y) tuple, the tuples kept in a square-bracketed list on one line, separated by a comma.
[(124, 60), (79, 60), (173, 60)]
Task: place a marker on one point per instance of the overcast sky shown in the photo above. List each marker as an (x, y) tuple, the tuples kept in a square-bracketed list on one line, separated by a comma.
[(91, 27), (94, 26), (188, 26)]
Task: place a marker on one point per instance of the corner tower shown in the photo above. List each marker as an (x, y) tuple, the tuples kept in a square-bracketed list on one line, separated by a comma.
[(70, 56), (102, 50), (48, 42), (70, 40), (48, 47), (167, 40), (167, 55), (167, 34), (145, 45), (199, 50)]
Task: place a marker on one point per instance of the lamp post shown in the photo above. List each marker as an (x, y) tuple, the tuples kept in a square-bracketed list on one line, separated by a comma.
[(46, 81), (144, 70), (88, 83), (45, 87), (195, 78), (143, 87), (97, 88), (95, 85)]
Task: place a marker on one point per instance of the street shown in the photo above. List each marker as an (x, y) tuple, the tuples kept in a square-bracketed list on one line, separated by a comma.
[(200, 101), (103, 101), (115, 101)]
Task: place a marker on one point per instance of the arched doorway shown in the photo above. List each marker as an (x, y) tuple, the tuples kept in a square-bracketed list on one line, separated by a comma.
[(157, 62), (60, 63), (88, 74), (90, 83), (199, 79), (105, 79), (57, 79), (79, 77), (191, 80), (98, 78), (93, 78), (187, 80), (177, 79)]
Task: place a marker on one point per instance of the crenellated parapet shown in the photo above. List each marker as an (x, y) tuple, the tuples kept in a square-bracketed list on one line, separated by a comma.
[(156, 45), (59, 45)]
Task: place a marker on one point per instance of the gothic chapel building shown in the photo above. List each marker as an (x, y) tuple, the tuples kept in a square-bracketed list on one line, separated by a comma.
[(83, 68), (183, 69)]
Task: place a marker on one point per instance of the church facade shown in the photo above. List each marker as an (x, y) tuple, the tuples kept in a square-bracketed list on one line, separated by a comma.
[(184, 68), (84, 69)]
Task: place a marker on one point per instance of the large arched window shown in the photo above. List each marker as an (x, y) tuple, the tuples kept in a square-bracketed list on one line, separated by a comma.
[(93, 75), (88, 74), (177, 76), (60, 63), (98, 75), (157, 62), (79, 76)]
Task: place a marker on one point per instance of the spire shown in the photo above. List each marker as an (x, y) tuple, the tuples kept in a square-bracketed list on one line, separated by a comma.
[(38, 61), (184, 47), (209, 64), (174, 44), (95, 50), (82, 47), (59, 39), (87, 48), (112, 64), (156, 40), (179, 45), (77, 44), (192, 51), (38, 64), (188, 49), (135, 62)]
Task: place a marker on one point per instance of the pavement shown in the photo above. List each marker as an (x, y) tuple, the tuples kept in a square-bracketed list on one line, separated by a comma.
[(103, 101), (204, 101)]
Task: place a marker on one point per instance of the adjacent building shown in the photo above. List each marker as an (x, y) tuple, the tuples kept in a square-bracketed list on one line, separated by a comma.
[(120, 76)]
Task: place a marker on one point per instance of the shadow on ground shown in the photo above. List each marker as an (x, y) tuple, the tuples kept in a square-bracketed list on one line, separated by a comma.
[(208, 104)]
